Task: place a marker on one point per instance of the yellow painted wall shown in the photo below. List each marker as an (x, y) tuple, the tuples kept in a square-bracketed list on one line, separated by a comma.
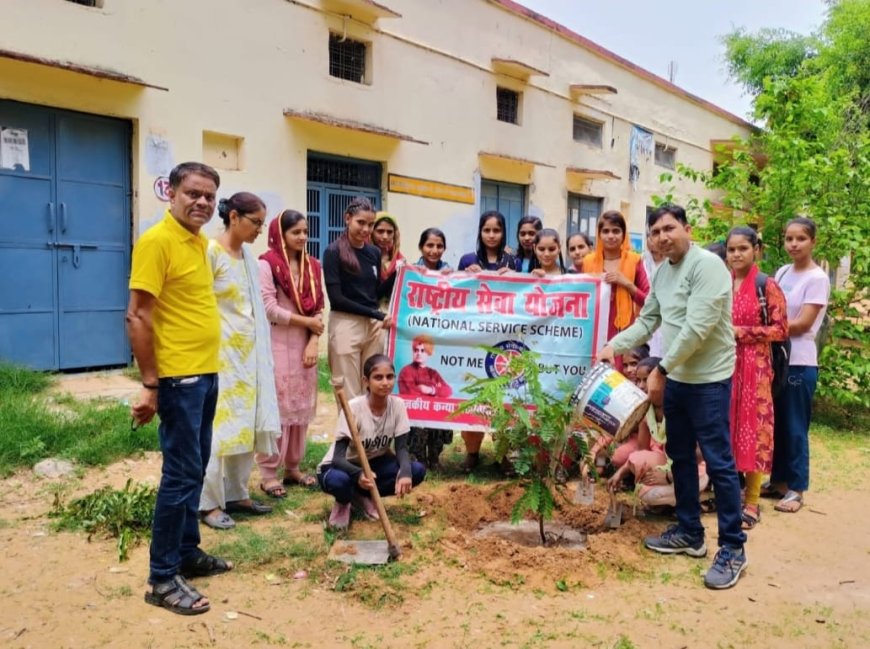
[(233, 67)]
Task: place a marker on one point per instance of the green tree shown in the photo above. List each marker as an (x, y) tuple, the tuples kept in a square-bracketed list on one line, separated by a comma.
[(811, 157)]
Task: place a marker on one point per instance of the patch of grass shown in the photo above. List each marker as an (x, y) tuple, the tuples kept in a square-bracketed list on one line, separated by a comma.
[(623, 642), (854, 419), (124, 514), (16, 380), (37, 425), (246, 547), (405, 514), (324, 375), (376, 586)]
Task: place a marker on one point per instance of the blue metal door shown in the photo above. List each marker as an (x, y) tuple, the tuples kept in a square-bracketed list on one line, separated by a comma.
[(71, 245), (507, 198)]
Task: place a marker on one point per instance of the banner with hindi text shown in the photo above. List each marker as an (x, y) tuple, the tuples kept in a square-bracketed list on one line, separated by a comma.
[(441, 322)]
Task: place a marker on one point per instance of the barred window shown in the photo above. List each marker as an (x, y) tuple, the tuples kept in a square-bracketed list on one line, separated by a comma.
[(347, 58), (344, 173), (507, 105), (88, 3), (588, 131)]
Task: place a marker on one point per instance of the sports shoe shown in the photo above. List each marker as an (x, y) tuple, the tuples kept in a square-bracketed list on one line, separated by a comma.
[(339, 517), (726, 569), (366, 506), (674, 541)]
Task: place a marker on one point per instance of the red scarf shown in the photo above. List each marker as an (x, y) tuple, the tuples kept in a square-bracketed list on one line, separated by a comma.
[(308, 295)]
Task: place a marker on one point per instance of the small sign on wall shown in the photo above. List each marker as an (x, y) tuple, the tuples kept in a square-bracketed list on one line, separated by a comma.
[(14, 149), (161, 188), (430, 189)]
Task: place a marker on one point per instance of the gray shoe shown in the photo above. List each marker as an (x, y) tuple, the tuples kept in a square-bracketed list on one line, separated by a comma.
[(675, 541), (727, 567), (218, 519)]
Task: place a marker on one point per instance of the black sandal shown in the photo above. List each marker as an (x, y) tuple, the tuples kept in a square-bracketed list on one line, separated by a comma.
[(201, 564), (177, 596)]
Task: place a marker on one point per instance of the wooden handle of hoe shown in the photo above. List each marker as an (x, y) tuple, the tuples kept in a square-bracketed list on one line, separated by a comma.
[(395, 551)]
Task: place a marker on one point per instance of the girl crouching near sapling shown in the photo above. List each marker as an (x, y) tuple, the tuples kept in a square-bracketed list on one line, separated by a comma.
[(381, 418), (649, 463)]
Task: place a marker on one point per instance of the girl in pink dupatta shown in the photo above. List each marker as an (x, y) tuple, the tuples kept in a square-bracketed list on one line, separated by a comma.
[(293, 296), (751, 399)]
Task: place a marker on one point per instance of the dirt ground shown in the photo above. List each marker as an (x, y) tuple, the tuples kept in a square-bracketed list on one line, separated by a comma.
[(808, 583)]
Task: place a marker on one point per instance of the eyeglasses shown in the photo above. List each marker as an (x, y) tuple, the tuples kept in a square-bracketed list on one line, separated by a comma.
[(258, 223)]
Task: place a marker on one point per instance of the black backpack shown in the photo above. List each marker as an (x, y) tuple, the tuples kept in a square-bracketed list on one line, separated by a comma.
[(780, 350)]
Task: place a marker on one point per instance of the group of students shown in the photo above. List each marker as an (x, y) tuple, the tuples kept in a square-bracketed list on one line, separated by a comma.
[(769, 436), (227, 345)]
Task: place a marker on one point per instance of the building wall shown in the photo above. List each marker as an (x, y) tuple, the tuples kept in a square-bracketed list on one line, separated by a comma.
[(233, 67)]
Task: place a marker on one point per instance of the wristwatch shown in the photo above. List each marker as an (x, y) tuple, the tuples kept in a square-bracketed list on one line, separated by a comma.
[(662, 370)]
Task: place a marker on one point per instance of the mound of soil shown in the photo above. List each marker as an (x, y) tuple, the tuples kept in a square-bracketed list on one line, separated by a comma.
[(468, 508)]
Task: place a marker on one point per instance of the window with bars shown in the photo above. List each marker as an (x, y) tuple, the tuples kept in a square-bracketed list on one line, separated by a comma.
[(666, 156), (344, 173), (588, 131), (87, 3), (347, 58), (507, 105)]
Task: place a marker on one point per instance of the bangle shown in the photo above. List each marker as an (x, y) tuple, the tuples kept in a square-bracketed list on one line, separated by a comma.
[(154, 386)]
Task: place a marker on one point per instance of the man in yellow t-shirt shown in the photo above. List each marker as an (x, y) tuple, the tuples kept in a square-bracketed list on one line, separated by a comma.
[(174, 329)]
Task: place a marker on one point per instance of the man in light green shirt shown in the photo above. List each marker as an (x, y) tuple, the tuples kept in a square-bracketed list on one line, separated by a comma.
[(690, 300)]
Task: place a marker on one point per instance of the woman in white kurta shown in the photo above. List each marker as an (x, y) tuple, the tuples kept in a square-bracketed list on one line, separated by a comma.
[(246, 419)]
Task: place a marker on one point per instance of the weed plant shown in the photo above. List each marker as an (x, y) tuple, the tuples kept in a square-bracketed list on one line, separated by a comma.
[(124, 514)]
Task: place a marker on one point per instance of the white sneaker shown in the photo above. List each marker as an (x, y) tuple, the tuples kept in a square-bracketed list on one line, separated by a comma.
[(339, 517)]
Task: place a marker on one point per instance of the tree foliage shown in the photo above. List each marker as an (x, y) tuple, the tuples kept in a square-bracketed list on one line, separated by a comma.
[(810, 157)]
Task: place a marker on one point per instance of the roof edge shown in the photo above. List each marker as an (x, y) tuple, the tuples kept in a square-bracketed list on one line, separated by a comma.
[(568, 34)]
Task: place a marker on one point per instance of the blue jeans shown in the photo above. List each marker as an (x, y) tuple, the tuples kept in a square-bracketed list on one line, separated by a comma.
[(186, 407), (792, 411), (697, 414), (341, 486)]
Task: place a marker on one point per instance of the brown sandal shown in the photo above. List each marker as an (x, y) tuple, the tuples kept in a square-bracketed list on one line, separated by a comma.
[(749, 518), (277, 491), (304, 480)]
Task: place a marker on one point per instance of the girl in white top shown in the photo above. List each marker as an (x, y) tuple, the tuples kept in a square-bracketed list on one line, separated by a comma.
[(806, 288), (381, 419)]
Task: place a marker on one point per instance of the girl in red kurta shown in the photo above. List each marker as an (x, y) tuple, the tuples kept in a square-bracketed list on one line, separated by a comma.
[(751, 399), (622, 269)]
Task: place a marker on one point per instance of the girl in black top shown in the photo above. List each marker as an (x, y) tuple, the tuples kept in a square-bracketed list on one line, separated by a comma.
[(527, 229), (491, 242), (351, 270)]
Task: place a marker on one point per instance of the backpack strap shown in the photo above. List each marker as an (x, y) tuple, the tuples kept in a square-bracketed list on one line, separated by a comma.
[(761, 292)]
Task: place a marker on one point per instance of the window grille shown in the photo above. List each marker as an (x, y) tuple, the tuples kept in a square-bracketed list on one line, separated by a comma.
[(666, 156), (87, 3), (347, 59), (344, 173), (508, 105), (588, 131)]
